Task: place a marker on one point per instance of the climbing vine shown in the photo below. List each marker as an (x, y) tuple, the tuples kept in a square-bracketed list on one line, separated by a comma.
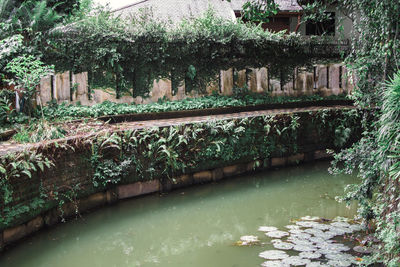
[(133, 52)]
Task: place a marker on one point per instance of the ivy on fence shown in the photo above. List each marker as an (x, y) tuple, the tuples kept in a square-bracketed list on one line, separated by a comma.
[(136, 50)]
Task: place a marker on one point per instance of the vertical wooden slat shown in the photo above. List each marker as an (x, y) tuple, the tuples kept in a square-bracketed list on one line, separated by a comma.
[(220, 82), (327, 77), (118, 85), (52, 81), (71, 87), (315, 77), (294, 78)]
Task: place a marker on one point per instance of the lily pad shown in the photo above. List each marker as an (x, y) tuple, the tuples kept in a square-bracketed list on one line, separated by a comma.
[(335, 232), (362, 250), (296, 261), (340, 224), (309, 218), (274, 264), (333, 248), (296, 231), (313, 231), (249, 239), (317, 264), (356, 227), (301, 242), (310, 255), (304, 248), (267, 228), (318, 240), (273, 255), (292, 227), (283, 245), (307, 224), (340, 263), (321, 226), (339, 256), (340, 219), (302, 235), (327, 235), (277, 234)]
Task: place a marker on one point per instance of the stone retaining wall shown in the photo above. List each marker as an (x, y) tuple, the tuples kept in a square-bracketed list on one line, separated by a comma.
[(73, 167), (14, 234)]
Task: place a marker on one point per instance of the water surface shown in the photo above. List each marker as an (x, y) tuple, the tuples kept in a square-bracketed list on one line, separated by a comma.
[(195, 226)]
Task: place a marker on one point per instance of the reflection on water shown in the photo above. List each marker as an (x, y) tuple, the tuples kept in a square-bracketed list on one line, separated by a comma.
[(191, 227)]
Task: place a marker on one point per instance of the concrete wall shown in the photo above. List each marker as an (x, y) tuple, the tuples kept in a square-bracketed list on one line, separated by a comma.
[(338, 81)]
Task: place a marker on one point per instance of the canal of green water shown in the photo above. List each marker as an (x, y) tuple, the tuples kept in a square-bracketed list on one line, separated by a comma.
[(196, 226)]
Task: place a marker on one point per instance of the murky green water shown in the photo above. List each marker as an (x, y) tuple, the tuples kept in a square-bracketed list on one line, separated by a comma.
[(190, 227)]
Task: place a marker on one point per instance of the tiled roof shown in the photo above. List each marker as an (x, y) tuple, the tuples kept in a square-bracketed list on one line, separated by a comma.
[(284, 5), (176, 10)]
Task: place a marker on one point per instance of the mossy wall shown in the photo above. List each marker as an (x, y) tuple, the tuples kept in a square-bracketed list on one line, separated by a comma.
[(159, 158)]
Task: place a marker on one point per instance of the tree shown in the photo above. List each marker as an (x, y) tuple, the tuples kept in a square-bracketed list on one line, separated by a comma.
[(263, 10), (27, 72)]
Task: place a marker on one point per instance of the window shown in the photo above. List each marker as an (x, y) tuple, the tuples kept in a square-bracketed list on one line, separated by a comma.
[(318, 28), (277, 24)]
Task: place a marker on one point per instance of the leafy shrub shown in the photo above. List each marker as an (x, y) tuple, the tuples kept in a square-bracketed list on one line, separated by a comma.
[(38, 132), (64, 111), (376, 158), (5, 110)]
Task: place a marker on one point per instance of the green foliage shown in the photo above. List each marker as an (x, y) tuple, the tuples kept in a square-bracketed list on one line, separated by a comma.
[(35, 16), (106, 171), (25, 168), (376, 158), (9, 49), (19, 210), (375, 46), (137, 51), (243, 98), (14, 166), (37, 132), (147, 154), (260, 10), (5, 109), (23, 25), (160, 153), (27, 72), (316, 11), (389, 132), (374, 58), (29, 18), (344, 128)]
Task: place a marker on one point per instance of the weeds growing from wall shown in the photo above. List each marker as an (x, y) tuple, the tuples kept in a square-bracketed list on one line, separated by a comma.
[(164, 153)]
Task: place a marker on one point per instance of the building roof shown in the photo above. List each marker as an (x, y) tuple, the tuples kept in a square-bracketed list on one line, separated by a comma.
[(284, 5), (176, 10)]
